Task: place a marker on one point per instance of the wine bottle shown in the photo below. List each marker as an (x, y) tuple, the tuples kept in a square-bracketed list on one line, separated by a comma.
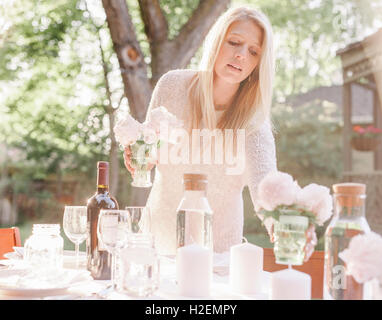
[(98, 259)]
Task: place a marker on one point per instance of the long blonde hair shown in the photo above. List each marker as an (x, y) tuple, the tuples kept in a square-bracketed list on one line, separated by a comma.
[(253, 100)]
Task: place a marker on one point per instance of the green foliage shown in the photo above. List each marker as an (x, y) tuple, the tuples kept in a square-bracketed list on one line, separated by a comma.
[(54, 106), (177, 13), (292, 210), (52, 91), (308, 141), (307, 35)]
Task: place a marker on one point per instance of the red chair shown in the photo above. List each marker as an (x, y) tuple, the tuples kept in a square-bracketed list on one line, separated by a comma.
[(9, 238)]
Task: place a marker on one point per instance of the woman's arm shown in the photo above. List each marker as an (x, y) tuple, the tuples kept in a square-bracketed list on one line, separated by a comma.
[(260, 159), (155, 102)]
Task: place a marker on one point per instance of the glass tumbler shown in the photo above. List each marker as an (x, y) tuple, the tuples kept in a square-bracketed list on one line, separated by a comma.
[(45, 247), (139, 266), (290, 239)]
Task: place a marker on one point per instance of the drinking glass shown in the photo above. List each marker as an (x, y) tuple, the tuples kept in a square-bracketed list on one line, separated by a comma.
[(290, 239), (75, 226), (142, 156), (140, 218), (139, 264), (112, 230)]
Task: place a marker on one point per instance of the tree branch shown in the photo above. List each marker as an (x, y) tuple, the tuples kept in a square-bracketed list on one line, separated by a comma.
[(156, 26), (130, 57), (192, 34)]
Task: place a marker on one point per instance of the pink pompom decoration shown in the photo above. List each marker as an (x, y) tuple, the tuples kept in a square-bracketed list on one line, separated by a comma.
[(159, 116), (317, 199), (128, 130), (363, 257), (277, 188)]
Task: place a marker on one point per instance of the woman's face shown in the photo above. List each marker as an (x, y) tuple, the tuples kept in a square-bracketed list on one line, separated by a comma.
[(240, 51)]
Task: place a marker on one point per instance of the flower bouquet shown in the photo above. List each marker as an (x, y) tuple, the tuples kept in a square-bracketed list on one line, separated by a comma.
[(144, 139), (291, 209), (363, 259), (365, 138)]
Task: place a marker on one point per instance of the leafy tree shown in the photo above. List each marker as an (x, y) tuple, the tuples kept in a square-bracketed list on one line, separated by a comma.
[(62, 76)]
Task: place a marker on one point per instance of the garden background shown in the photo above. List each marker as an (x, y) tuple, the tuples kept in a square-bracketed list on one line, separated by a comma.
[(61, 86)]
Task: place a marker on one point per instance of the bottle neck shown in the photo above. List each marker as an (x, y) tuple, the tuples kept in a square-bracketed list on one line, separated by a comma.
[(102, 189), (102, 180), (351, 212), (195, 194), (350, 207)]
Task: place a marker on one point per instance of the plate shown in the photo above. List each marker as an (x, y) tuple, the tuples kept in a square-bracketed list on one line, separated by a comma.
[(19, 253), (69, 261), (15, 292), (10, 282), (10, 290)]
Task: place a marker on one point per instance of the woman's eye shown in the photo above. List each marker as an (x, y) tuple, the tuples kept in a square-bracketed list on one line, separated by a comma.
[(254, 53), (233, 43)]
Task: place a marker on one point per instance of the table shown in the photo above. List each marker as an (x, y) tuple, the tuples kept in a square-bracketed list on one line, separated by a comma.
[(167, 288)]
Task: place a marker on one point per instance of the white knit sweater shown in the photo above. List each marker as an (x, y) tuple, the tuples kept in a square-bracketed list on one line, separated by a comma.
[(224, 192)]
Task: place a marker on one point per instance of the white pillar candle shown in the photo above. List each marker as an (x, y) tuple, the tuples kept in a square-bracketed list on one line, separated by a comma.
[(290, 284), (246, 268), (194, 270)]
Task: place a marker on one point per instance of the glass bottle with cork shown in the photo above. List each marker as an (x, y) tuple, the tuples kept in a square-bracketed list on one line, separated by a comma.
[(348, 221), (98, 258), (194, 214)]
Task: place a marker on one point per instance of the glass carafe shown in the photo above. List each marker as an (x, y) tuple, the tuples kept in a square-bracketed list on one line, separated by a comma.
[(348, 221), (194, 214)]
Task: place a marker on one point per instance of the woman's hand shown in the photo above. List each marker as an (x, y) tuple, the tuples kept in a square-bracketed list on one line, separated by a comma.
[(127, 161), (311, 241)]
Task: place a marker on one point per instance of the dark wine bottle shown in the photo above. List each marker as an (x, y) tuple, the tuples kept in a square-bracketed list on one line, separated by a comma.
[(98, 259)]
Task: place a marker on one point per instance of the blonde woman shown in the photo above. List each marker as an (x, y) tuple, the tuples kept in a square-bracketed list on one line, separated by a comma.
[(231, 90)]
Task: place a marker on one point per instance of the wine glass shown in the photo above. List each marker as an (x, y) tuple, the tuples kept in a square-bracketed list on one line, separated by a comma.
[(112, 230), (75, 226), (140, 219)]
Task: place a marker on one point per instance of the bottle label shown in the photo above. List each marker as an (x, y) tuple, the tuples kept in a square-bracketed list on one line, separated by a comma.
[(106, 198)]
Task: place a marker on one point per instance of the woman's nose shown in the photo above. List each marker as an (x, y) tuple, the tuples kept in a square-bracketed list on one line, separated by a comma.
[(240, 53)]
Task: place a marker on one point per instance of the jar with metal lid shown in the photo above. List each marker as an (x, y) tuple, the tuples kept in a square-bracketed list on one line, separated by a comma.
[(45, 247), (194, 214), (348, 221)]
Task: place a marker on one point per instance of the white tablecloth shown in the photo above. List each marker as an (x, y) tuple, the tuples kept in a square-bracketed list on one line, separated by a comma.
[(167, 289)]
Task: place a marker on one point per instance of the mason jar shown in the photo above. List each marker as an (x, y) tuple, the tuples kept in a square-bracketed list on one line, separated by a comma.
[(45, 247), (138, 269)]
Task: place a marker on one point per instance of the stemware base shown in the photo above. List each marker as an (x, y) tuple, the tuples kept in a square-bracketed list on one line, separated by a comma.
[(142, 179)]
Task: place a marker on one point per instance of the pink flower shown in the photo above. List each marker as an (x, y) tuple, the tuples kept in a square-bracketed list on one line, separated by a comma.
[(277, 188), (317, 199), (149, 134), (363, 257), (128, 130), (160, 116)]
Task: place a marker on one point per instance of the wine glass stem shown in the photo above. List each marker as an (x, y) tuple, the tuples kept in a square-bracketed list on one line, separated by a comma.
[(113, 266), (77, 248)]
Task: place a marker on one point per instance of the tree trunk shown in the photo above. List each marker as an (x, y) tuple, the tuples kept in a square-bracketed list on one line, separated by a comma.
[(130, 57), (113, 156)]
